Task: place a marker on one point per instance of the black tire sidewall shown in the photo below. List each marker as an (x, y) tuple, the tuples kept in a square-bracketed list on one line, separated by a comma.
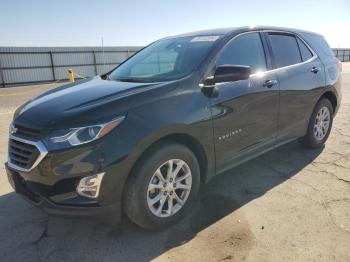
[(310, 137), (137, 195)]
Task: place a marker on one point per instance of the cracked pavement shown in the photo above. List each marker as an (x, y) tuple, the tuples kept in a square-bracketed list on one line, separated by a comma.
[(291, 204)]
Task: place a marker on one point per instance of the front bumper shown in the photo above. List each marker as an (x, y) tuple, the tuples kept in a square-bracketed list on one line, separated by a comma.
[(74, 206), (51, 184)]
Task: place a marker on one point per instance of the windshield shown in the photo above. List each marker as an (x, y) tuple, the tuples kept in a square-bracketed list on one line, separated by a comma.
[(165, 60)]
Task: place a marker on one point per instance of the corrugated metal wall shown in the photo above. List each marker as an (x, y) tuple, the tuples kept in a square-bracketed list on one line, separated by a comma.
[(25, 65), (343, 54)]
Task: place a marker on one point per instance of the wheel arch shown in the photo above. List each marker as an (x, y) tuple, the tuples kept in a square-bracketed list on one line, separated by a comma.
[(181, 138), (331, 97), (195, 146), (328, 95)]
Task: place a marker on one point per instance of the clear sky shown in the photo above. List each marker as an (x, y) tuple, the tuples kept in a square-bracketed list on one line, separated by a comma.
[(83, 23)]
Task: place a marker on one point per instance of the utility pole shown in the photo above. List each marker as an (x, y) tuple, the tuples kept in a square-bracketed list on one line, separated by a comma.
[(103, 56)]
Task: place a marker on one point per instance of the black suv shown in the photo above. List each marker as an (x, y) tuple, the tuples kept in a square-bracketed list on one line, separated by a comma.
[(144, 137)]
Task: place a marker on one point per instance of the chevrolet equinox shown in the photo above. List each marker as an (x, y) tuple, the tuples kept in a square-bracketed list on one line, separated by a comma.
[(142, 138)]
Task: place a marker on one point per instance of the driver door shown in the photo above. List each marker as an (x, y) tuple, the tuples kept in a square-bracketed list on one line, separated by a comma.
[(245, 112)]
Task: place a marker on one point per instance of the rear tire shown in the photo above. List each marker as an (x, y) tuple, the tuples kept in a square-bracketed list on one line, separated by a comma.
[(155, 197), (320, 125)]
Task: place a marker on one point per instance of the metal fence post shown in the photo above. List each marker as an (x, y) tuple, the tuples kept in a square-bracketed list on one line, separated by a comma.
[(94, 57), (52, 67), (2, 75)]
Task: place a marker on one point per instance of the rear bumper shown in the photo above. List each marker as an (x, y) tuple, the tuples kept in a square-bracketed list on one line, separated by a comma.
[(111, 212)]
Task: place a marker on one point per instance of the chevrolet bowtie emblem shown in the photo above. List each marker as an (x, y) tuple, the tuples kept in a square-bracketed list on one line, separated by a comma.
[(13, 130)]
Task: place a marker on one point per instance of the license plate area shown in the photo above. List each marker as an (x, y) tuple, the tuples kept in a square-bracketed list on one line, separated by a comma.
[(11, 180), (19, 186)]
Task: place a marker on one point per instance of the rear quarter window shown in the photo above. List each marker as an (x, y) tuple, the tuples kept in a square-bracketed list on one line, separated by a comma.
[(305, 52), (319, 44)]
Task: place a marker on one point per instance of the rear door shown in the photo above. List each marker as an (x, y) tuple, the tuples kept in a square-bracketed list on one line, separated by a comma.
[(301, 77), (244, 112)]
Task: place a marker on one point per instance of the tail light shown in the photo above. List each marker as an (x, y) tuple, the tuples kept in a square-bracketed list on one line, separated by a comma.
[(340, 65)]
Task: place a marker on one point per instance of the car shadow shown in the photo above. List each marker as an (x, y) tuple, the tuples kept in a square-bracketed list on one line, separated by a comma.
[(55, 239)]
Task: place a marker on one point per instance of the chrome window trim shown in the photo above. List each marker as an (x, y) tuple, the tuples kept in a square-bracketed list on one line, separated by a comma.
[(38, 144), (313, 58), (289, 66), (296, 35)]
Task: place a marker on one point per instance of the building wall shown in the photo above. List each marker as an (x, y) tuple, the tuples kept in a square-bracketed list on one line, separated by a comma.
[(343, 54), (25, 65)]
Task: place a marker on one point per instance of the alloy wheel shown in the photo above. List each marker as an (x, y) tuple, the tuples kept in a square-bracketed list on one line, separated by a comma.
[(322, 123), (169, 188)]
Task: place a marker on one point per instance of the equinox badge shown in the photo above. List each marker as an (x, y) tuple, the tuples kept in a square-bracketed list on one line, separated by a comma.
[(231, 134)]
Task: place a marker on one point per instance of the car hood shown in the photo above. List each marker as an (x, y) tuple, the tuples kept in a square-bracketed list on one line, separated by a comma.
[(83, 102)]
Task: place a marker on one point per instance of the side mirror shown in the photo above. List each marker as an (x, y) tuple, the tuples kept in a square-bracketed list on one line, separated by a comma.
[(228, 73)]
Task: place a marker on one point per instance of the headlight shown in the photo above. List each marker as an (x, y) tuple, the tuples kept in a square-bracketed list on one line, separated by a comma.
[(83, 135)]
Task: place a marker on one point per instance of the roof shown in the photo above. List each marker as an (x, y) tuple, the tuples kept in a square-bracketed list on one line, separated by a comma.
[(231, 30)]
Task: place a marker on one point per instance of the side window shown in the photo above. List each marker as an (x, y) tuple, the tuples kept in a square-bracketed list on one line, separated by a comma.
[(245, 50), (319, 45), (285, 49), (304, 50)]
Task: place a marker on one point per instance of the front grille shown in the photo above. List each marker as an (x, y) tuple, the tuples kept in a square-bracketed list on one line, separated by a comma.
[(22, 154)]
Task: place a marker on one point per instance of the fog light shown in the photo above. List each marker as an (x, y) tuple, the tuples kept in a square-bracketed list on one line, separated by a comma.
[(90, 186)]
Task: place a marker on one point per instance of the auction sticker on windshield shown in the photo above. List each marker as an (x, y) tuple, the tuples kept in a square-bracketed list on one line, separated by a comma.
[(206, 38)]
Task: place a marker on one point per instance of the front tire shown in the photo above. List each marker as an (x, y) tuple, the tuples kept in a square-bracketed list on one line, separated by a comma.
[(162, 187), (320, 124)]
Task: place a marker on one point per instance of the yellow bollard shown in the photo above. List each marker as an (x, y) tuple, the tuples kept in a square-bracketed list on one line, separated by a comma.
[(71, 75)]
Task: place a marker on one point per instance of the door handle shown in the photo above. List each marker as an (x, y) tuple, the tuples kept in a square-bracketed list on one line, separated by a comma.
[(270, 83), (315, 69)]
